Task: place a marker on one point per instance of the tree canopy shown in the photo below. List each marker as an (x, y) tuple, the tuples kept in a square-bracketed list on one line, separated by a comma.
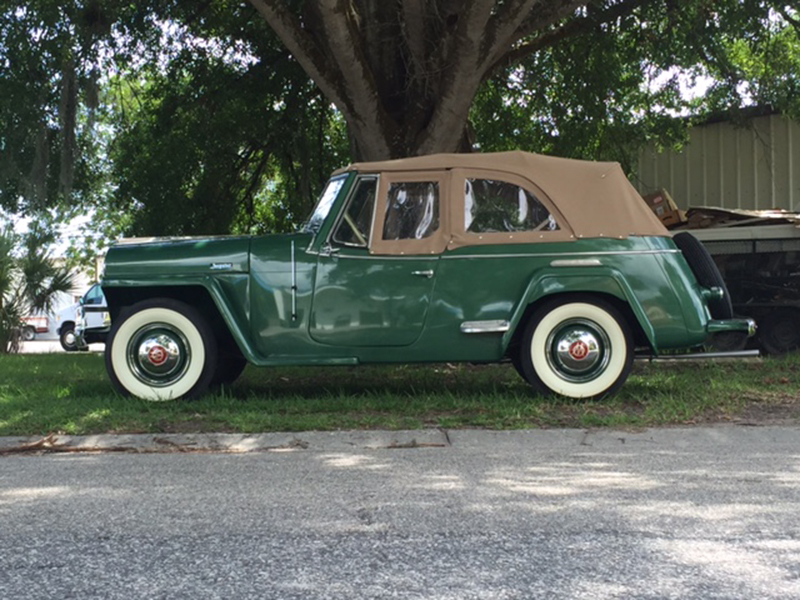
[(211, 116), (203, 126), (405, 74)]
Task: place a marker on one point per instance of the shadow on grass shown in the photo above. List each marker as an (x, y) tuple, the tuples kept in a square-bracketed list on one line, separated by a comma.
[(402, 381), (72, 394)]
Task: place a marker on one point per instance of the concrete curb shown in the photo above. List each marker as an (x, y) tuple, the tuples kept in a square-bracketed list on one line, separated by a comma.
[(671, 439), (227, 442)]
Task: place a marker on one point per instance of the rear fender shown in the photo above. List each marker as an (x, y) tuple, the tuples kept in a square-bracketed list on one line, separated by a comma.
[(607, 282)]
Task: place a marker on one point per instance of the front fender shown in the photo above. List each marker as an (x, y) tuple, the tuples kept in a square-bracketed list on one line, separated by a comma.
[(229, 294)]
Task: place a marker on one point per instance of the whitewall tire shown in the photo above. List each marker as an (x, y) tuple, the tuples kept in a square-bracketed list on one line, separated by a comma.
[(161, 350), (577, 348)]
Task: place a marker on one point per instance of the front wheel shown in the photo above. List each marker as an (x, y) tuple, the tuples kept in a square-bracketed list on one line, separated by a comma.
[(28, 334), (161, 350), (578, 349), (67, 338)]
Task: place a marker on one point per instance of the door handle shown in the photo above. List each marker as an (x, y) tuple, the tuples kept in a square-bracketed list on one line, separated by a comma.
[(428, 273)]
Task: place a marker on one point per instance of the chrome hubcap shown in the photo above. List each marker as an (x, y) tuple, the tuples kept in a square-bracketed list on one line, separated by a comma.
[(158, 354), (578, 350)]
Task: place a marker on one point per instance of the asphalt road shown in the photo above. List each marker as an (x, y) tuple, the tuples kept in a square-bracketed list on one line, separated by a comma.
[(675, 513)]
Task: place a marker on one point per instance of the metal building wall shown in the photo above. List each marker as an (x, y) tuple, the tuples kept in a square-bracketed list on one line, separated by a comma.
[(757, 167)]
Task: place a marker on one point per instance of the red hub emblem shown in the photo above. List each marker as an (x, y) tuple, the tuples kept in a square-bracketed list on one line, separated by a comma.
[(157, 355), (579, 350)]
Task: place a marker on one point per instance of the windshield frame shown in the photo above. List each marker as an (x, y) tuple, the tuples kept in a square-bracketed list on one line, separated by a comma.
[(322, 209)]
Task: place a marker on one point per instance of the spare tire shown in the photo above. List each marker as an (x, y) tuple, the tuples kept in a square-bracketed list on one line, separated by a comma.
[(706, 271)]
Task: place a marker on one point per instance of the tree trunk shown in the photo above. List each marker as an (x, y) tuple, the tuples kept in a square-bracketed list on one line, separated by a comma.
[(404, 73)]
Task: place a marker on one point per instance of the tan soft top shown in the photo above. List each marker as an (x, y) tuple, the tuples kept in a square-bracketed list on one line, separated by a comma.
[(596, 198)]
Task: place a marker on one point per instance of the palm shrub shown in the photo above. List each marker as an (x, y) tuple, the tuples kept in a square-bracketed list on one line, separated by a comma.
[(9, 301), (29, 281)]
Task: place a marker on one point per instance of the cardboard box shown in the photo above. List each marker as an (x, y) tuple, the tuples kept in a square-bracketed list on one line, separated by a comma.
[(664, 207), (661, 203), (673, 217)]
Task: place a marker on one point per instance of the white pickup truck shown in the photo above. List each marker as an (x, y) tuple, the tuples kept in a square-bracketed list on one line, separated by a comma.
[(95, 320)]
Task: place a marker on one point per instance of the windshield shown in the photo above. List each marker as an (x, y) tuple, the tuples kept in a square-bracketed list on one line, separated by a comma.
[(324, 204)]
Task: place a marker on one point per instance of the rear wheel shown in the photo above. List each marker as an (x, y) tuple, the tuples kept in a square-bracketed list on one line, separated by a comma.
[(28, 333), (161, 350), (516, 361), (577, 348)]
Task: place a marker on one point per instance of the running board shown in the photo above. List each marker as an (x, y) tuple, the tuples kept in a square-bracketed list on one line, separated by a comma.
[(703, 355)]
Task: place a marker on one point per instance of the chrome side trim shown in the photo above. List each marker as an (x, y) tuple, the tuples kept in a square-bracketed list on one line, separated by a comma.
[(562, 254), (427, 257), (577, 262), (446, 256), (702, 356), (495, 326)]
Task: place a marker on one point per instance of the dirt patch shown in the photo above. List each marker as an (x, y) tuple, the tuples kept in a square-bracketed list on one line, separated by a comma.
[(776, 409)]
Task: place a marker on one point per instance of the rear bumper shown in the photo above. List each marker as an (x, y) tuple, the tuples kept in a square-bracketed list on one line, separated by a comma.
[(716, 326)]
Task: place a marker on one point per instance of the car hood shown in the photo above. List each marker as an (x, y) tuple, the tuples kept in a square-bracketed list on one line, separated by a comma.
[(67, 313), (152, 257)]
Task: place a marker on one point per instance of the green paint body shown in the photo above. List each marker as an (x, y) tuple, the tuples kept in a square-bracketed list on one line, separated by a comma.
[(286, 300)]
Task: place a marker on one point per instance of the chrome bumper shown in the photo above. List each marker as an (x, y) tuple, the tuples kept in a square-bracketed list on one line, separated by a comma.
[(717, 326)]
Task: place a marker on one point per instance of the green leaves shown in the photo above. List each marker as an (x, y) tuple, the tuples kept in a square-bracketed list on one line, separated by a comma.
[(603, 94), (170, 118), (49, 65), (211, 148)]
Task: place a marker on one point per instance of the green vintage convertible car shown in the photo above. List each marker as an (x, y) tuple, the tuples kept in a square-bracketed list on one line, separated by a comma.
[(556, 265)]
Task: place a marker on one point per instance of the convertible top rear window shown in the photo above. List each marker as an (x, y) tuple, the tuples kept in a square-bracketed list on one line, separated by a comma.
[(497, 206)]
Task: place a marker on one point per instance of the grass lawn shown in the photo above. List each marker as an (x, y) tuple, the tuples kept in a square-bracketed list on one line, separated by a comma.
[(70, 393)]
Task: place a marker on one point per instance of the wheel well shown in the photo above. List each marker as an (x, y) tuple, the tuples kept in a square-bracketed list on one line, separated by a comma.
[(639, 336), (195, 296)]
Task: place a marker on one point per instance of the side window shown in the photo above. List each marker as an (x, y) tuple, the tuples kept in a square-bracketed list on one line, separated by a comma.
[(497, 206), (354, 227), (412, 210)]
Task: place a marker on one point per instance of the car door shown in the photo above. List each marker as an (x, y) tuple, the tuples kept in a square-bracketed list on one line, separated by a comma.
[(376, 273), (503, 231), (94, 308)]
